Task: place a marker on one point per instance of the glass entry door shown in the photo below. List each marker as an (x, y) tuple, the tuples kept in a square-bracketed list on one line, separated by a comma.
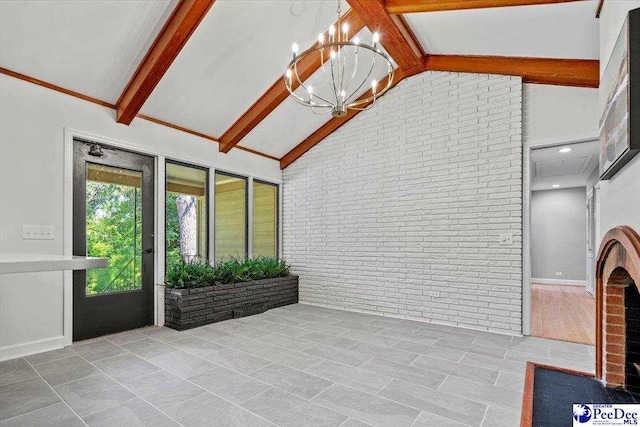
[(113, 202)]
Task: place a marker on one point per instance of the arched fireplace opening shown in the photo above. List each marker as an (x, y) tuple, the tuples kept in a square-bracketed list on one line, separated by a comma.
[(618, 309)]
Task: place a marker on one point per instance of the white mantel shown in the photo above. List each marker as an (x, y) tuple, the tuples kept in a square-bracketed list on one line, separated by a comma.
[(30, 263)]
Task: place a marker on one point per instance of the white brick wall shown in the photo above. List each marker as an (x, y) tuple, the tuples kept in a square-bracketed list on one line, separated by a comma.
[(399, 211)]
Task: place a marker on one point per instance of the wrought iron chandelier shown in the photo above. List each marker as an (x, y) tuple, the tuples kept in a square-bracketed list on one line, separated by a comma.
[(343, 76)]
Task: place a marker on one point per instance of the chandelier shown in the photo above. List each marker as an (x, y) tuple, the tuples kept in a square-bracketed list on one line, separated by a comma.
[(344, 72)]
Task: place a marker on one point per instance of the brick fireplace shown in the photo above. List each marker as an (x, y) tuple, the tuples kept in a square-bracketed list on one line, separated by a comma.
[(618, 309)]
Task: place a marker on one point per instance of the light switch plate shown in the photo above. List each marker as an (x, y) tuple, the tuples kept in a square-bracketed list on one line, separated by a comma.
[(37, 232), (506, 238)]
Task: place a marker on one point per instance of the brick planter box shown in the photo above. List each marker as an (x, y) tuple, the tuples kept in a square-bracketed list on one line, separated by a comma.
[(190, 308)]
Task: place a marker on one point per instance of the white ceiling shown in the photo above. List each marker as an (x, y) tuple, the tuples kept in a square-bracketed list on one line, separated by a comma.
[(92, 47), (550, 167), (235, 55), (290, 124), (242, 46), (561, 30)]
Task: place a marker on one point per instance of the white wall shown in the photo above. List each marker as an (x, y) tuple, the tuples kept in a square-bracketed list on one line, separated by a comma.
[(558, 114), (619, 198), (32, 122), (559, 235), (400, 210)]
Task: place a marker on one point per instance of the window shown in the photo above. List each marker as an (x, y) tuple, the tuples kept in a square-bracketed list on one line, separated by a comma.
[(186, 213), (231, 217), (114, 228), (265, 219)]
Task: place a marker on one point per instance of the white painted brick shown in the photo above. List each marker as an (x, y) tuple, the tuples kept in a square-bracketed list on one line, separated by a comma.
[(409, 198)]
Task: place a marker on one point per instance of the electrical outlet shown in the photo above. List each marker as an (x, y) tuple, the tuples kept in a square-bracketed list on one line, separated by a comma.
[(37, 232), (506, 238), (434, 294), (558, 273)]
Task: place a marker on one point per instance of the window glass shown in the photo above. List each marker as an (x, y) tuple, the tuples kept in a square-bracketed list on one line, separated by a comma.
[(265, 220), (186, 213), (231, 217), (114, 228)]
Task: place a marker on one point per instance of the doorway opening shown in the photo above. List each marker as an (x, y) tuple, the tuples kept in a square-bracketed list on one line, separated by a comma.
[(113, 218), (562, 203)]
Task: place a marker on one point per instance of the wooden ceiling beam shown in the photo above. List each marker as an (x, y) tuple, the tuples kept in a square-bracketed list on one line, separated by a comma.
[(550, 71), (330, 127), (599, 9), (421, 6), (278, 92), (184, 20), (395, 35)]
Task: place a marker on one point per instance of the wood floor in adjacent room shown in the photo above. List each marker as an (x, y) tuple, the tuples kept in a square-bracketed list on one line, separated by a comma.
[(565, 313)]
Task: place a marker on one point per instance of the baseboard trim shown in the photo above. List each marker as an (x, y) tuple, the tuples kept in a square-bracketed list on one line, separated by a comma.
[(29, 348), (417, 319), (558, 282)]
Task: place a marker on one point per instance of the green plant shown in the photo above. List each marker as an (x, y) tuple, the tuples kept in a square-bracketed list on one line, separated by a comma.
[(198, 274), (189, 275)]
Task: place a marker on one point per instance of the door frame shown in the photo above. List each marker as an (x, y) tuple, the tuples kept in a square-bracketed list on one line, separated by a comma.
[(160, 157), (527, 147), (94, 314), (158, 296)]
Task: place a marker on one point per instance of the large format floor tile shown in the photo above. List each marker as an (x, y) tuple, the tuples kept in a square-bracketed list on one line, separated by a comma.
[(182, 364), (25, 396), (125, 367), (366, 407), (291, 380), (288, 410), (49, 356), (163, 389), (360, 379), (230, 385), (418, 376), (13, 371), (237, 360), (208, 410), (457, 369), (131, 413), (339, 355), (290, 358), (435, 402), (293, 366), (58, 415), (98, 350), (65, 370), (93, 394), (489, 394)]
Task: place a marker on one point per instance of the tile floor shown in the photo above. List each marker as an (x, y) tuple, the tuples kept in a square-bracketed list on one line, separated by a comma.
[(295, 366)]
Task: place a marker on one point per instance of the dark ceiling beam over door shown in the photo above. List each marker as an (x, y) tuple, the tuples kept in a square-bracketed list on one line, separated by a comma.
[(418, 6), (395, 35), (551, 71), (184, 20), (277, 93)]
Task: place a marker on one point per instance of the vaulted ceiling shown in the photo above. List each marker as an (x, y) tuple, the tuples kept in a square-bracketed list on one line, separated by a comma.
[(214, 68)]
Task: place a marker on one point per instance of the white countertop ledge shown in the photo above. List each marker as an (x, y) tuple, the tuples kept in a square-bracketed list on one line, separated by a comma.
[(31, 263)]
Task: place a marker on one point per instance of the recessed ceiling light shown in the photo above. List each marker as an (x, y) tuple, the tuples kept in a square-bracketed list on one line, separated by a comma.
[(555, 186), (565, 150)]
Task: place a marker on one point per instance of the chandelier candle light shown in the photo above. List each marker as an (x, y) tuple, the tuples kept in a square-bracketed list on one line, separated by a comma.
[(339, 63)]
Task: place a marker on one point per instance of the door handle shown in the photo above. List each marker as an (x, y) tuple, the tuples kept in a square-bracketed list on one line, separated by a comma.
[(148, 251)]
